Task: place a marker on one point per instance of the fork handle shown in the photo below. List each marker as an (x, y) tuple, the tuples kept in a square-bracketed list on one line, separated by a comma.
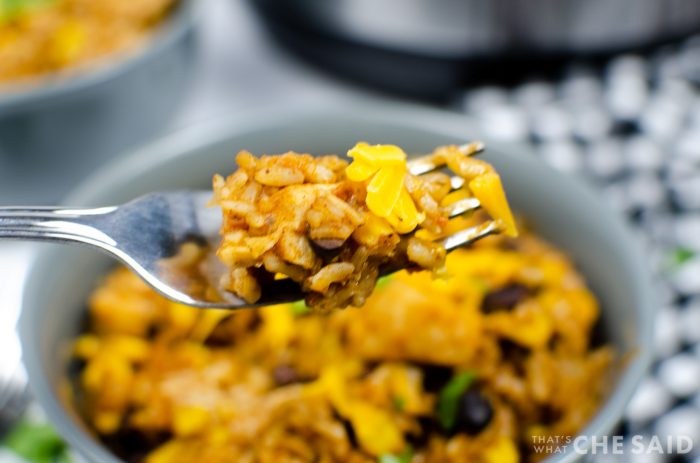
[(54, 224)]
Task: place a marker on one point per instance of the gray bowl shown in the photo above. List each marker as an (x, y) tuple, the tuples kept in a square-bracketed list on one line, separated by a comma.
[(560, 209), (57, 121)]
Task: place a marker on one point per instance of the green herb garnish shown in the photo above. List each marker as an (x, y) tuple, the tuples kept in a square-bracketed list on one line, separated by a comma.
[(448, 401), (404, 457), (37, 443)]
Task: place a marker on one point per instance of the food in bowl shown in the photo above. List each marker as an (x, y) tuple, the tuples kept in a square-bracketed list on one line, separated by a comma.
[(40, 37), (331, 226), (469, 367)]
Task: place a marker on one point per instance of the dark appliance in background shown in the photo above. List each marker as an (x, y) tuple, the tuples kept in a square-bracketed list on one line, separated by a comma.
[(429, 48)]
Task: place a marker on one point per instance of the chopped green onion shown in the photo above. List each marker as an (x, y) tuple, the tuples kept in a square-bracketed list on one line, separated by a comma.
[(448, 401), (299, 308), (37, 443), (404, 457)]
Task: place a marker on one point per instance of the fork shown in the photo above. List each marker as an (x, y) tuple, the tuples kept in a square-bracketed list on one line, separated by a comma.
[(150, 229)]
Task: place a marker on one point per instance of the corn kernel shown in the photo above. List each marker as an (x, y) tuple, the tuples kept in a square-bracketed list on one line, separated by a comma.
[(182, 317), (360, 171), (87, 346), (405, 217), (107, 422), (384, 166), (130, 348), (384, 190), (376, 432), (208, 320), (489, 191), (189, 420), (529, 325), (278, 325), (502, 451), (68, 42), (169, 452), (378, 155)]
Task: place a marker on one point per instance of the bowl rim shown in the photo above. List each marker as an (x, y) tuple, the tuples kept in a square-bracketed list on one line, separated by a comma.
[(179, 144), (48, 87)]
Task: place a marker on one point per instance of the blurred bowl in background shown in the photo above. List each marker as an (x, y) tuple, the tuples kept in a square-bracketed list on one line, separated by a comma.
[(102, 110)]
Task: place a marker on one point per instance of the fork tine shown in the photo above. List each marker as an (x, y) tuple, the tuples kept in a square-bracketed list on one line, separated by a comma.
[(472, 148), (462, 206), (456, 182), (423, 165), (470, 235)]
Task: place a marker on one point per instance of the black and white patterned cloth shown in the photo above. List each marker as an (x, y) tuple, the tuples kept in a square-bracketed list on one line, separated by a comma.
[(632, 129)]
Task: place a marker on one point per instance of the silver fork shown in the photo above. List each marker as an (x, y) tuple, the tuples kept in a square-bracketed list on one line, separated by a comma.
[(148, 230)]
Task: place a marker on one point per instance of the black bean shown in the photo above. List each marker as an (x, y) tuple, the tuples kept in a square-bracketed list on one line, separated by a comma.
[(474, 411), (505, 298), (327, 248)]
